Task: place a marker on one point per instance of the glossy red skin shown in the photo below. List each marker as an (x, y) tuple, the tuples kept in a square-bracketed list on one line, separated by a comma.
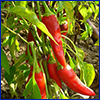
[(64, 27), (70, 78), (53, 26), (52, 70), (41, 84), (40, 81)]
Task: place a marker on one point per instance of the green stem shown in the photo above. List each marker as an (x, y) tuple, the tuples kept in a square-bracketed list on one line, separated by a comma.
[(13, 3), (46, 7), (69, 48), (28, 52), (70, 41), (44, 78), (15, 33), (34, 59), (36, 38), (43, 44), (38, 6), (33, 6), (47, 11), (46, 69)]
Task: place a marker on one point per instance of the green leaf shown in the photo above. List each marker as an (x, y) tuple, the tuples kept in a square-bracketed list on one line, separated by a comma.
[(5, 42), (31, 17), (3, 30), (20, 79), (23, 3), (88, 73), (4, 62), (3, 4), (92, 7), (13, 88), (62, 96), (23, 67), (96, 12), (83, 11), (74, 3), (31, 90), (26, 73), (9, 77), (71, 62), (86, 13), (17, 3), (80, 53), (97, 43), (96, 2), (12, 45), (80, 58), (10, 21), (88, 32), (17, 45), (69, 14), (60, 6)]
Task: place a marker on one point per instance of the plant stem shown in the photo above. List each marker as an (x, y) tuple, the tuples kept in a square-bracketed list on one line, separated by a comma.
[(15, 33), (38, 6), (44, 78), (45, 7), (47, 11), (13, 3), (33, 6)]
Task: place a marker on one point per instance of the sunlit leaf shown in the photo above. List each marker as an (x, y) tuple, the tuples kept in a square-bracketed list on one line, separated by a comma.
[(5, 42), (96, 2), (92, 7), (97, 43), (88, 73), (96, 12), (88, 32), (80, 53), (31, 17), (13, 88), (71, 62), (23, 3), (17, 45)]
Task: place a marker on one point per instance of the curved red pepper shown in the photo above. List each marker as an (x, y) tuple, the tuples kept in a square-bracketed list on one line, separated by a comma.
[(73, 82), (52, 70), (54, 28), (41, 83)]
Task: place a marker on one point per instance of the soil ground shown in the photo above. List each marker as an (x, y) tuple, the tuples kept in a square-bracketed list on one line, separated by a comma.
[(91, 56)]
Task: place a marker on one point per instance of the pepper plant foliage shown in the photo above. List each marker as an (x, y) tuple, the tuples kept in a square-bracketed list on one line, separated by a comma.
[(27, 16)]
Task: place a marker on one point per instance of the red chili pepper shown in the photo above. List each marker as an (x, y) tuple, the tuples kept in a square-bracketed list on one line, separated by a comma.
[(72, 81), (54, 28), (41, 83), (52, 70), (64, 27)]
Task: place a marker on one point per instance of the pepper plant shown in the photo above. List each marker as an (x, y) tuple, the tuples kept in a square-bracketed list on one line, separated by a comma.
[(47, 25)]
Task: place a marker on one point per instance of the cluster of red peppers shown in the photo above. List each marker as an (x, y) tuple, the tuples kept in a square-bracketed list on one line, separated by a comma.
[(58, 70)]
